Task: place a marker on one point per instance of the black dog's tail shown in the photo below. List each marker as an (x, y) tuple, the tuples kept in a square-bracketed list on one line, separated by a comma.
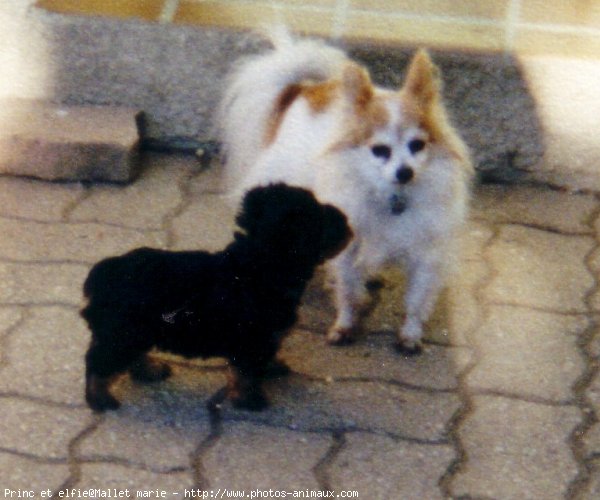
[(88, 292), (98, 284)]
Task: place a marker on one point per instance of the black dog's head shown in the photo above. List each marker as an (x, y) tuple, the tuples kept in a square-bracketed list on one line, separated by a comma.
[(292, 224)]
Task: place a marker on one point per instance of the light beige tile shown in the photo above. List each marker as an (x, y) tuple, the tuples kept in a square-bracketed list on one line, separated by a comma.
[(539, 206), (279, 3), (233, 14), (407, 479), (253, 15), (233, 462), (540, 269), (432, 32), (579, 12), (516, 450), (488, 9), (538, 42), (528, 353), (145, 9)]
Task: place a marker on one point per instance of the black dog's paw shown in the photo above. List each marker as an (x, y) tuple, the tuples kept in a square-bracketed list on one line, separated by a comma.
[(276, 369), (102, 403), (148, 370), (409, 351), (97, 394), (254, 401)]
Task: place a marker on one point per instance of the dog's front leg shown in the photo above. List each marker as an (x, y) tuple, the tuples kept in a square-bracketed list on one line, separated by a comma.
[(425, 279), (349, 295)]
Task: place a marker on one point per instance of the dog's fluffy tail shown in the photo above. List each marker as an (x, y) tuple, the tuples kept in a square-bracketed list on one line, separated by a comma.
[(254, 87)]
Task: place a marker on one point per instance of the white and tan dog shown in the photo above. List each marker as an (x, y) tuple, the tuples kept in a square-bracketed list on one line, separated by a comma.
[(305, 114)]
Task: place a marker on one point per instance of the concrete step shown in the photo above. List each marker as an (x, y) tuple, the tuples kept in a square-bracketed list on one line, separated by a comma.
[(68, 143)]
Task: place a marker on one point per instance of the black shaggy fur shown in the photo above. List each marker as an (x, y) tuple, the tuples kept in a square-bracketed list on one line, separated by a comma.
[(237, 303)]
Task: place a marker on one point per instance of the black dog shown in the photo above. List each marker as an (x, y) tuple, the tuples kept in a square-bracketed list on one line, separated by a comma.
[(237, 303)]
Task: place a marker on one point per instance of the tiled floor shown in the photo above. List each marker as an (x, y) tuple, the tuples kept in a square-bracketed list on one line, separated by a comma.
[(544, 27), (503, 403)]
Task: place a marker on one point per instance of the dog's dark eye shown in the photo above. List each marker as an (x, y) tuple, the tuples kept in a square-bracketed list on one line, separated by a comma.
[(381, 151), (416, 145)]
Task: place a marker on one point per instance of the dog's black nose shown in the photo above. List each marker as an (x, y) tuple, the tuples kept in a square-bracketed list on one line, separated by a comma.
[(404, 174)]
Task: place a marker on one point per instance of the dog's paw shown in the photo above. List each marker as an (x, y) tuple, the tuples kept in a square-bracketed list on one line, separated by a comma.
[(149, 370), (255, 401), (102, 403), (410, 337), (340, 336), (409, 349), (97, 394)]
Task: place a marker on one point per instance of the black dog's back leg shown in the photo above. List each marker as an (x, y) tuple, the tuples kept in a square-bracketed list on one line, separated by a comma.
[(146, 369), (97, 393), (104, 361), (244, 389), (98, 378)]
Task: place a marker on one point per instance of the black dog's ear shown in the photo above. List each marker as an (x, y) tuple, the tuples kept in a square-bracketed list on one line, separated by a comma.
[(336, 231), (253, 208)]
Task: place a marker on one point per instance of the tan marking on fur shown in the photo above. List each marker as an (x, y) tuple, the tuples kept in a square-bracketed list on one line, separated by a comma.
[(284, 101), (434, 120), (368, 116), (357, 86), (423, 78), (318, 96), (421, 101), (368, 111)]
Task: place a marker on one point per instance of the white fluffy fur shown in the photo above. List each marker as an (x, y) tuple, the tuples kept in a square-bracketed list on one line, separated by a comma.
[(360, 183)]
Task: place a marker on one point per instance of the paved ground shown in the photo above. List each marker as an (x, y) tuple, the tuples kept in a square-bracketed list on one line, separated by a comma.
[(503, 404)]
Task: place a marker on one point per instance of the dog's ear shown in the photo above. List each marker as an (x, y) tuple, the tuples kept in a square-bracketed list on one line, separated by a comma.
[(422, 82), (357, 85), (253, 208), (336, 232)]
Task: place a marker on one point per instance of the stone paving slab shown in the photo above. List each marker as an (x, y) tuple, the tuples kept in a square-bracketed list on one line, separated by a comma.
[(537, 206), (120, 478), (593, 392), (528, 353), (39, 430), (129, 438), (28, 241), (503, 403), (143, 204), (374, 357), (54, 339), (313, 406), (9, 317), (592, 441), (554, 264), (208, 181), (232, 462), (41, 283), (592, 490), (516, 450), (475, 236), (17, 469), (33, 199), (390, 468), (193, 228), (594, 345)]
